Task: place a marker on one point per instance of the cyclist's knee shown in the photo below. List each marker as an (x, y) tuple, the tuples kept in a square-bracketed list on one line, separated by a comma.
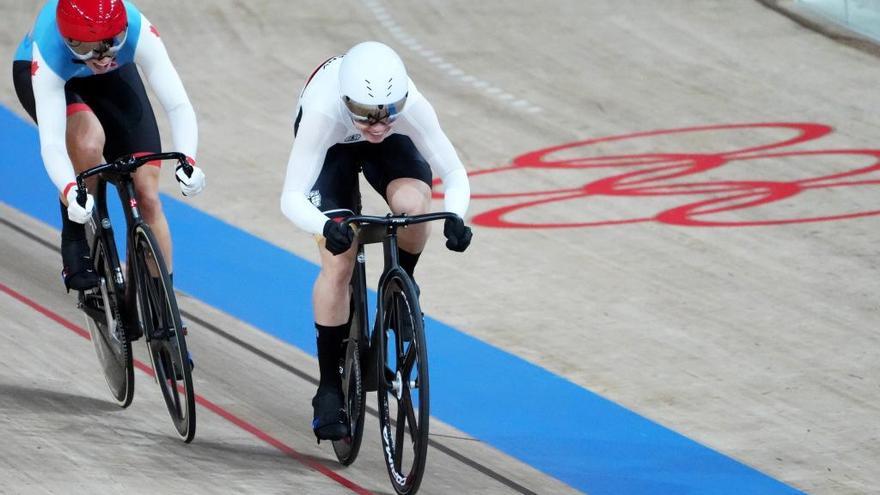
[(150, 205), (410, 205), (336, 271), (87, 148), (85, 139), (410, 196)]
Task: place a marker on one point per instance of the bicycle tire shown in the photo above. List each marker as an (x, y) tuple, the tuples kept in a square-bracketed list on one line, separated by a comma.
[(396, 380), (162, 326), (353, 390), (105, 323)]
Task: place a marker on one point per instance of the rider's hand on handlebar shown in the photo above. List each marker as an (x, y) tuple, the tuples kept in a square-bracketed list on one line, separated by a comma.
[(339, 237), (76, 212), (458, 235), (191, 184)]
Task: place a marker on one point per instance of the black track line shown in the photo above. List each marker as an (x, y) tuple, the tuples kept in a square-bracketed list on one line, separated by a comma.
[(513, 485)]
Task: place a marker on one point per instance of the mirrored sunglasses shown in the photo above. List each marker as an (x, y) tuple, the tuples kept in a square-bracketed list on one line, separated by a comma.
[(88, 50)]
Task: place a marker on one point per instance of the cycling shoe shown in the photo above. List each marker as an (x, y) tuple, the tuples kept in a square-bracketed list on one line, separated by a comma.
[(79, 271), (330, 421)]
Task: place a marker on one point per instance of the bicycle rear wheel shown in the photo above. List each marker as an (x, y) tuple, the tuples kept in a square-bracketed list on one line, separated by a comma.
[(163, 330), (353, 389), (105, 323), (403, 390)]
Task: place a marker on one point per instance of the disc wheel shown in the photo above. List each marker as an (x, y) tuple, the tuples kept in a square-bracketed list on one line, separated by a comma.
[(158, 312), (104, 322), (403, 390), (353, 389)]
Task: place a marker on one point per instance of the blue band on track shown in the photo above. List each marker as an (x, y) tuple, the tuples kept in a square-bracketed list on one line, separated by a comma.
[(544, 420)]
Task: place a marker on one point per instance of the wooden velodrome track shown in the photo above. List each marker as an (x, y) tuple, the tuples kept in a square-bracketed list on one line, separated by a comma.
[(698, 244)]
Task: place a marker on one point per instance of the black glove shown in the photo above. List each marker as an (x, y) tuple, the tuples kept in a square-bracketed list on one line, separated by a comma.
[(339, 237), (458, 236)]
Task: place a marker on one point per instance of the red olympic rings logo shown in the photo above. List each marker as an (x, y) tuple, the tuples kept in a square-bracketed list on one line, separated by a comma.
[(670, 177)]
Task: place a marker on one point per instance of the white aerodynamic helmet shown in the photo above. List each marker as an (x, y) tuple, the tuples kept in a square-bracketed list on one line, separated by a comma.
[(373, 83)]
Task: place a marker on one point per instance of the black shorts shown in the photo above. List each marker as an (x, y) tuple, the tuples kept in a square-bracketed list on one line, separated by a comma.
[(118, 99), (337, 191)]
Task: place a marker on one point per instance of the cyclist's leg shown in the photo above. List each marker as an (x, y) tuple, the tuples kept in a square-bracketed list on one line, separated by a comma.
[(330, 293), (146, 184), (413, 197), (330, 297), (120, 102), (335, 193), (398, 171), (85, 142), (85, 139)]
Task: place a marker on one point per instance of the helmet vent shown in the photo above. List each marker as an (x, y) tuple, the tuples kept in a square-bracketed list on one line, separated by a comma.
[(371, 74)]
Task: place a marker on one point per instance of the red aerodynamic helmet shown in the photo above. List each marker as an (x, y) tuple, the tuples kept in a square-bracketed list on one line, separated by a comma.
[(91, 20)]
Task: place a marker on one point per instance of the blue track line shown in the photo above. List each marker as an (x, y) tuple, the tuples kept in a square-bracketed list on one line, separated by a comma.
[(544, 420)]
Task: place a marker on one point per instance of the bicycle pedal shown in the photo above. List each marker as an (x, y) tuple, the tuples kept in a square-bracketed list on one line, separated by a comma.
[(172, 370), (133, 332), (332, 431), (161, 333), (390, 376)]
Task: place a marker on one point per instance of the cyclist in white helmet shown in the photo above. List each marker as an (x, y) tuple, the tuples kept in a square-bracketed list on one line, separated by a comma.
[(361, 112)]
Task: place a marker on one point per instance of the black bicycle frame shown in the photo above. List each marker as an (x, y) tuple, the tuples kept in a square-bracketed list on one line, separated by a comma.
[(119, 173), (371, 230)]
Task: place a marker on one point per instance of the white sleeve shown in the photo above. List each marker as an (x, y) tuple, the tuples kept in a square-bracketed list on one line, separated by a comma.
[(153, 59), (52, 122), (317, 133), (436, 148)]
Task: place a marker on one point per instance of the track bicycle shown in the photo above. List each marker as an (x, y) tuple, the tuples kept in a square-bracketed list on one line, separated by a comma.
[(137, 299), (392, 359)]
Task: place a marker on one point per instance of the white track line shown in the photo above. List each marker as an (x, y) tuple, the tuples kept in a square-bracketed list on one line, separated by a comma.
[(444, 66)]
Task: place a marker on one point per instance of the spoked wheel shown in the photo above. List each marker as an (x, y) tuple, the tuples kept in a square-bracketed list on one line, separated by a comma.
[(355, 394), (103, 318), (403, 385), (163, 329)]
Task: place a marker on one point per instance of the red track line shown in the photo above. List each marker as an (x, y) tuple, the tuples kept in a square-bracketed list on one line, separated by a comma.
[(207, 404), (47, 313)]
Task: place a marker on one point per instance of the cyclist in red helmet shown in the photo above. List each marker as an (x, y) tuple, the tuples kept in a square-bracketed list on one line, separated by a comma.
[(76, 74)]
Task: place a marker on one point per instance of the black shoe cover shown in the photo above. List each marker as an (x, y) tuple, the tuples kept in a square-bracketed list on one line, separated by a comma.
[(78, 273), (330, 421)]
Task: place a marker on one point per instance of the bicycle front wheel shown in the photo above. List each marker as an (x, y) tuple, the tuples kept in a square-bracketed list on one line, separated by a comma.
[(105, 323), (163, 330), (403, 392)]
